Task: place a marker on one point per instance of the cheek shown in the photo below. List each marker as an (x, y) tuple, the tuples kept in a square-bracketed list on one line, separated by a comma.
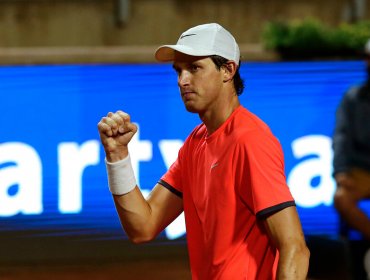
[(210, 82)]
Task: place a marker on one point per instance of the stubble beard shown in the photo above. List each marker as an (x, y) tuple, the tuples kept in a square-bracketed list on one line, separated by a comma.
[(190, 108)]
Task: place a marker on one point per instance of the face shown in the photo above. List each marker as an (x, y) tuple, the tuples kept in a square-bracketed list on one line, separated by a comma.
[(199, 81)]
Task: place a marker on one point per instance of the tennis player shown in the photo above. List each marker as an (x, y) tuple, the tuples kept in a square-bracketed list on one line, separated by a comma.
[(241, 219)]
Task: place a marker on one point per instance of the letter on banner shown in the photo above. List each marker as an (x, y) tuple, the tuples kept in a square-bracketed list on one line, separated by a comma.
[(301, 176), (73, 159), (22, 170)]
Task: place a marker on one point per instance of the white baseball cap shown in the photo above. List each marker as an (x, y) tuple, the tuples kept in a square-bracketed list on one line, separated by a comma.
[(202, 40)]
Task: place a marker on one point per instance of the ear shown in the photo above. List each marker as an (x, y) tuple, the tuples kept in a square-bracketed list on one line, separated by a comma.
[(229, 70)]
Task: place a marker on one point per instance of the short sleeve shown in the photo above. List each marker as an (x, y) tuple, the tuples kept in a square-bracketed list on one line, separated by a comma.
[(264, 186), (172, 179)]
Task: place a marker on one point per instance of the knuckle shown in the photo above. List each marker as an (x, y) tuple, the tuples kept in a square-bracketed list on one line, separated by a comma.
[(116, 117), (124, 115), (101, 124)]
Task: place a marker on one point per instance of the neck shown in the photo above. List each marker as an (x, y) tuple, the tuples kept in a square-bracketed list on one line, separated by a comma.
[(214, 117)]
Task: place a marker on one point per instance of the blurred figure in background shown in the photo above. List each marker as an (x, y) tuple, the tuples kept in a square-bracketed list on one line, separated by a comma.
[(351, 144)]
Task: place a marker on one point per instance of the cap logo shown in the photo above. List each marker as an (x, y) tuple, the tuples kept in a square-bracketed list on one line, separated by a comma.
[(187, 35)]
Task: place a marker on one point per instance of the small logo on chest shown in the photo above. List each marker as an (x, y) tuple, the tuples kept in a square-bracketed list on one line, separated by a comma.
[(214, 165)]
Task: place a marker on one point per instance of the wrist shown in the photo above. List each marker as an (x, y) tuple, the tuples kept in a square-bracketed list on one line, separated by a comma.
[(117, 155), (121, 177)]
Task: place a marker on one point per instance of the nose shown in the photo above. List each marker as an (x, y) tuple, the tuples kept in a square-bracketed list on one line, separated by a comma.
[(183, 78)]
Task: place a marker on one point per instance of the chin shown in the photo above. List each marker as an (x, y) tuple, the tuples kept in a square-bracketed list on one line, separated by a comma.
[(191, 109)]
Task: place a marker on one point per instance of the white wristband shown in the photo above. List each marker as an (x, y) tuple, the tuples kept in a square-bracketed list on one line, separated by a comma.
[(121, 177)]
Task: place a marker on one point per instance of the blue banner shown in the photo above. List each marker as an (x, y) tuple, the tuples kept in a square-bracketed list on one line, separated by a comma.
[(52, 172)]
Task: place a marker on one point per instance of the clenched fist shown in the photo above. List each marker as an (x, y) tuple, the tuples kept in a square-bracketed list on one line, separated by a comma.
[(116, 131)]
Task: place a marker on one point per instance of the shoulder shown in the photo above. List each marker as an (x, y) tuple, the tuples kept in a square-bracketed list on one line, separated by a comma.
[(249, 122), (353, 93), (353, 97), (251, 127), (253, 134)]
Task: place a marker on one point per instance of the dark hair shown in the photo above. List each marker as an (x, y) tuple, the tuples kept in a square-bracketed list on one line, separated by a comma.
[(219, 61)]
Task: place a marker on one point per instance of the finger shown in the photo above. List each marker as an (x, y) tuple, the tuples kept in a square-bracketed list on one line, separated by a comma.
[(124, 116), (130, 130), (131, 127), (104, 129), (118, 119), (125, 120), (127, 127), (111, 123)]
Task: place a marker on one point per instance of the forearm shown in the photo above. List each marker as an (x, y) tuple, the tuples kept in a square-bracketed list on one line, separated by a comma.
[(142, 219), (135, 216), (132, 208), (293, 263)]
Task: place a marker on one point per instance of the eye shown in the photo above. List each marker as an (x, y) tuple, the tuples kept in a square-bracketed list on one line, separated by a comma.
[(194, 67)]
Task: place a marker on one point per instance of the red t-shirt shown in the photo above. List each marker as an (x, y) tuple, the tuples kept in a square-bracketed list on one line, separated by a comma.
[(230, 180)]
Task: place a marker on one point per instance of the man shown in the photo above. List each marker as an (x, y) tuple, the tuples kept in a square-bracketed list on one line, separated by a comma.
[(229, 180), (351, 144)]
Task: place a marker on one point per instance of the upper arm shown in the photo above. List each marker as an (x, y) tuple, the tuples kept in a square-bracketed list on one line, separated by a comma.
[(342, 140), (285, 228), (344, 116)]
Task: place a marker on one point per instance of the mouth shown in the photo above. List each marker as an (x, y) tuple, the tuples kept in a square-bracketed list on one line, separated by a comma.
[(187, 94)]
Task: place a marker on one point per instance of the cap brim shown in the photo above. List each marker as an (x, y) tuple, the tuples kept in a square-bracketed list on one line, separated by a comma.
[(167, 52)]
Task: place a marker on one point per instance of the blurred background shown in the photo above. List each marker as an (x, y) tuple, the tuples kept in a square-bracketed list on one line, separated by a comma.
[(65, 63)]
